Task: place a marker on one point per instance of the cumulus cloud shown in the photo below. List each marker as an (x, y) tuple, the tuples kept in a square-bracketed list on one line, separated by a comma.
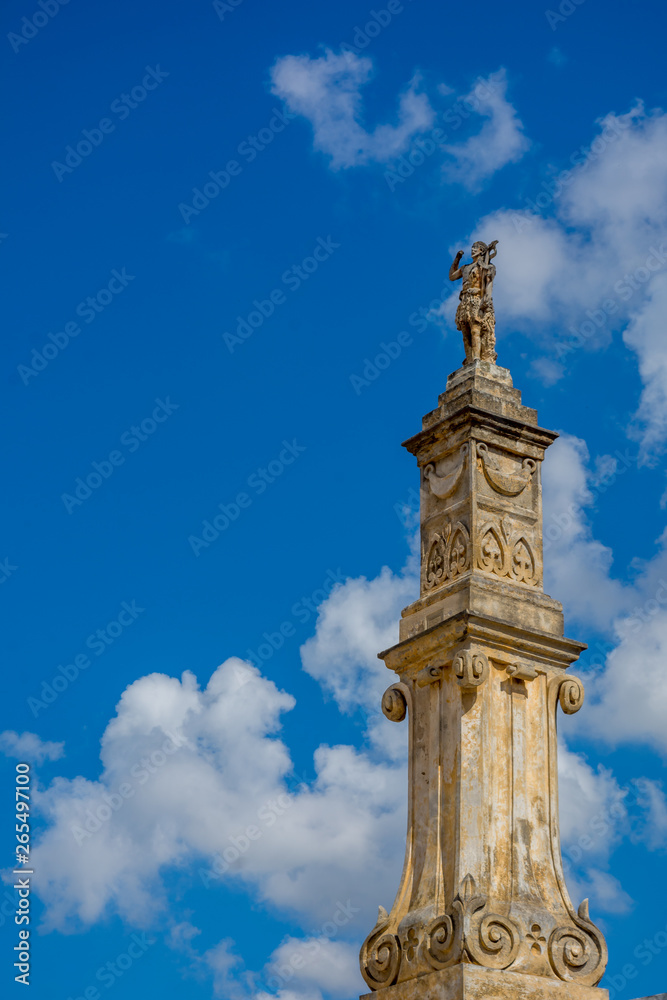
[(357, 622), (200, 777), (327, 91), (625, 704), (29, 747), (577, 566), (312, 968), (585, 258), (500, 141), (629, 698)]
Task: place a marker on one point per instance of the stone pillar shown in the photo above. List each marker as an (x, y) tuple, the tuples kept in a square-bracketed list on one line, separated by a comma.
[(482, 908)]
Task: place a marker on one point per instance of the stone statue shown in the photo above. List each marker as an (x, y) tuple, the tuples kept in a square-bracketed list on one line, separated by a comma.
[(475, 317)]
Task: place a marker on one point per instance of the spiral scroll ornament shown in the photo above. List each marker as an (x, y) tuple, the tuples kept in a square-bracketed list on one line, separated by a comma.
[(571, 695), (394, 703), (471, 669), (443, 942), (496, 943), (380, 957), (578, 952)]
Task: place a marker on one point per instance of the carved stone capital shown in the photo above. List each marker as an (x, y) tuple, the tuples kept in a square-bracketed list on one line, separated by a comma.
[(471, 668)]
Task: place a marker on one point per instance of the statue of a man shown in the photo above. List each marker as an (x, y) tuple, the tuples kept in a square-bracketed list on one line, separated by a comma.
[(475, 317)]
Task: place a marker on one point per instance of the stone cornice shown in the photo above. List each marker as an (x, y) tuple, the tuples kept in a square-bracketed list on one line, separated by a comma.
[(552, 650), (470, 418)]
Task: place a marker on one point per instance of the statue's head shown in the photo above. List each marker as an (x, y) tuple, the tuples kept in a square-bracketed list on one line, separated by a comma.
[(478, 249)]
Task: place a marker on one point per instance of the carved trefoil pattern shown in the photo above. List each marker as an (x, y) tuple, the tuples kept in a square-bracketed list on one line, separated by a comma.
[(447, 554), (505, 551)]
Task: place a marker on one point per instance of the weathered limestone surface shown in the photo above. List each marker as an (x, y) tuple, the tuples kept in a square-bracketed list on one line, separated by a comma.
[(482, 908)]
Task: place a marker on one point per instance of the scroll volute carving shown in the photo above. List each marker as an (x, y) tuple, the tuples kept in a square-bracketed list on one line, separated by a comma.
[(471, 668), (578, 951), (380, 957)]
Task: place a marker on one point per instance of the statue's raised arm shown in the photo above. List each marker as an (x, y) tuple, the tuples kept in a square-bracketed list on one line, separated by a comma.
[(475, 317), (455, 272)]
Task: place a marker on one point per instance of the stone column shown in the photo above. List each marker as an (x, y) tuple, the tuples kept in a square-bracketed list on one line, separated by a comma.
[(482, 908)]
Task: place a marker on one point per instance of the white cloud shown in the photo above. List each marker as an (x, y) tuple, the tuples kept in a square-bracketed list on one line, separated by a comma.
[(576, 565), (209, 781), (627, 692), (327, 91), (629, 699), (310, 968), (29, 747), (595, 262), (500, 141), (645, 335), (604, 888), (357, 622)]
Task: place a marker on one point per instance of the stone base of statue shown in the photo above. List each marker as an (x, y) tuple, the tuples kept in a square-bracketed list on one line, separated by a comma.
[(469, 982)]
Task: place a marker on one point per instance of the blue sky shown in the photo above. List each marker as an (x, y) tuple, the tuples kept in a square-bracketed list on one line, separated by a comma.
[(217, 216)]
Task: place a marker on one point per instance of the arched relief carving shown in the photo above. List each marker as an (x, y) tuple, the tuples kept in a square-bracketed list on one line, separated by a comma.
[(443, 487), (523, 561), (505, 551), (508, 484), (446, 554)]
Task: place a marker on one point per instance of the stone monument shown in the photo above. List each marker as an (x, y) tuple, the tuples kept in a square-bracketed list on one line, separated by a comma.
[(482, 908)]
